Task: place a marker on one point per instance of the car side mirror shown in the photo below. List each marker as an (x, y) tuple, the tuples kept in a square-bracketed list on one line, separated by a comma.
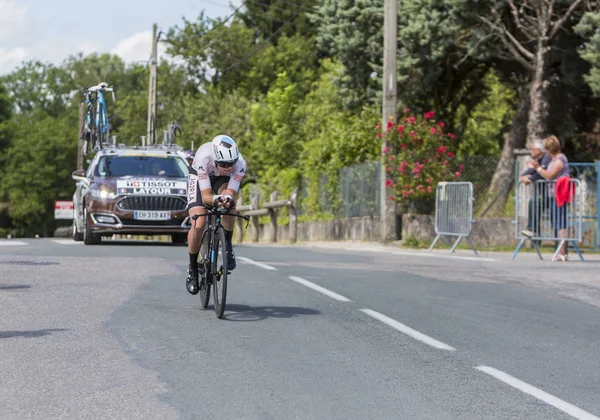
[(79, 176)]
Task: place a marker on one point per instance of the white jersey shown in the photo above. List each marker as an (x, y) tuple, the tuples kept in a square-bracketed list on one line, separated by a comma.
[(205, 167)]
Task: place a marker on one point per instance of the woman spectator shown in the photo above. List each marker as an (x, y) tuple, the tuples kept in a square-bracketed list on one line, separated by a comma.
[(557, 168)]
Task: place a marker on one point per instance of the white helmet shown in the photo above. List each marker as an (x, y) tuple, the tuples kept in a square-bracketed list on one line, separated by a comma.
[(225, 150)]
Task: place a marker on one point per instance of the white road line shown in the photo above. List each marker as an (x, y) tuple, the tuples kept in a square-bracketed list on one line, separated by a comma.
[(570, 409), (405, 329), (12, 243), (256, 263), (66, 242), (419, 254), (318, 288)]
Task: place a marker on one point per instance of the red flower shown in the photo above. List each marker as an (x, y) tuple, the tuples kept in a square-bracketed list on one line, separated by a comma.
[(461, 168), (400, 128), (403, 146), (378, 135), (406, 110), (450, 154), (405, 193), (386, 149), (392, 157), (429, 180), (451, 136), (392, 197), (402, 167), (429, 189), (389, 169), (433, 130), (457, 174), (441, 124), (378, 126), (441, 149), (389, 183), (429, 115), (390, 124), (412, 134), (411, 120)]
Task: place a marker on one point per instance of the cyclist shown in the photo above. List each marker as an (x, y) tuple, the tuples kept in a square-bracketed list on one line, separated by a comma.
[(188, 155), (215, 176)]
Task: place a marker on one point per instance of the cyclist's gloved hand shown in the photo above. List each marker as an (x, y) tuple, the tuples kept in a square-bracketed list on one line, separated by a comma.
[(217, 199), (228, 200)]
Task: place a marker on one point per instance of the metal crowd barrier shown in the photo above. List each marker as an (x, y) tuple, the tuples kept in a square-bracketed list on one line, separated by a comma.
[(454, 213), (538, 217)]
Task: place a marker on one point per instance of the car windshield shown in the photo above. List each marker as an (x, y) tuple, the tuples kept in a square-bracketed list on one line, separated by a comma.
[(141, 166)]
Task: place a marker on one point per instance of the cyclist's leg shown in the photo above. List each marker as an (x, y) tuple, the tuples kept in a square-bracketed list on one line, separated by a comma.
[(195, 232)]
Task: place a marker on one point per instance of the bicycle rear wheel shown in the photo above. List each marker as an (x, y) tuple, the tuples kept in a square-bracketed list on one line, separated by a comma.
[(203, 268), (220, 273)]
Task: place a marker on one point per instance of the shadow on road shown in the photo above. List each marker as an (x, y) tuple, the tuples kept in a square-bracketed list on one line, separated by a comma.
[(141, 243), (14, 286), (29, 334), (258, 313)]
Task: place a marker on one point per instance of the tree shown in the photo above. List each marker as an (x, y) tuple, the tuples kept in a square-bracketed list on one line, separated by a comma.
[(352, 32), (273, 19), (523, 32), (5, 114), (38, 170)]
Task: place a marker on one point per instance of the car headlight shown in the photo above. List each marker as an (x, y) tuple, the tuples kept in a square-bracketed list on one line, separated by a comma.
[(102, 193)]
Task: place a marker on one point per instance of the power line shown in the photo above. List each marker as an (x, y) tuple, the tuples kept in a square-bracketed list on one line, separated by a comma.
[(218, 25)]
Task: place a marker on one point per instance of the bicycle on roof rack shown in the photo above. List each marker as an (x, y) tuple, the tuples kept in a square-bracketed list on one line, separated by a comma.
[(95, 132), (212, 259)]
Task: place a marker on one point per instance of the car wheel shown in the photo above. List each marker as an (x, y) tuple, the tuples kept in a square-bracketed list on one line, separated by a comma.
[(88, 237), (179, 238), (77, 236)]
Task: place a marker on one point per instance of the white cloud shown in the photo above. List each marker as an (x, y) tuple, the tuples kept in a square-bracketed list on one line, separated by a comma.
[(13, 20), (137, 47)]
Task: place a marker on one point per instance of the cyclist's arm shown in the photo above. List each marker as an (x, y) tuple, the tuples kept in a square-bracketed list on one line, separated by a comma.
[(204, 184), (236, 178)]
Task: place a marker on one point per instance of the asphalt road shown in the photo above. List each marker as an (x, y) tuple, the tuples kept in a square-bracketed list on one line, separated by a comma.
[(334, 331)]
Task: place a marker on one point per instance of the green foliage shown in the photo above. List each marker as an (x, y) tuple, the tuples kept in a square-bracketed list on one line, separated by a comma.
[(352, 32), (333, 138), (38, 170), (5, 114), (419, 156), (485, 123), (276, 18), (588, 29), (277, 131)]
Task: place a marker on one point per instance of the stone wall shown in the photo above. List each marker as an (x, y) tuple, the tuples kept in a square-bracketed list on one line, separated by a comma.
[(486, 233)]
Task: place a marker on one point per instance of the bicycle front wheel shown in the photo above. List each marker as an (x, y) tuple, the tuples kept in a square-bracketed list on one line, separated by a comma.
[(220, 273), (203, 268)]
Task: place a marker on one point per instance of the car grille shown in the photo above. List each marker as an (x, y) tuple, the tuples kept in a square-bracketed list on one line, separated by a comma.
[(149, 202)]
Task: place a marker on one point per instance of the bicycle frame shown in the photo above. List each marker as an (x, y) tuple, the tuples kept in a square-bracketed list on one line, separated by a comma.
[(213, 222), (101, 122)]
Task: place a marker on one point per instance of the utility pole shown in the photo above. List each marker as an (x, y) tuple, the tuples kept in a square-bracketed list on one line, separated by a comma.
[(80, 156), (389, 110), (152, 91)]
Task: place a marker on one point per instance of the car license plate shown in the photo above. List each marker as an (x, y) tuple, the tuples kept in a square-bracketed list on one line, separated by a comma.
[(151, 215)]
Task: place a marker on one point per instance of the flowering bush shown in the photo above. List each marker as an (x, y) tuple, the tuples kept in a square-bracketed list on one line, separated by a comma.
[(419, 155)]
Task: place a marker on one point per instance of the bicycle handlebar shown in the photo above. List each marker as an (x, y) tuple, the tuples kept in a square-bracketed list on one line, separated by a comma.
[(97, 88), (222, 210)]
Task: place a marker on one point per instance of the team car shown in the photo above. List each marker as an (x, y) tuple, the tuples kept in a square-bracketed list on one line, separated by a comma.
[(128, 190)]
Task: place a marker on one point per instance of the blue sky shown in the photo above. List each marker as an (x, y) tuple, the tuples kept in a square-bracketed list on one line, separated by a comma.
[(51, 30)]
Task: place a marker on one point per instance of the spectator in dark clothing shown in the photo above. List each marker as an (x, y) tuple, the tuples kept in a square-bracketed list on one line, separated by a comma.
[(530, 176)]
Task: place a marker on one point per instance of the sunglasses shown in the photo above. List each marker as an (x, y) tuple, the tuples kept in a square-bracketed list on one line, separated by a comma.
[(225, 164)]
